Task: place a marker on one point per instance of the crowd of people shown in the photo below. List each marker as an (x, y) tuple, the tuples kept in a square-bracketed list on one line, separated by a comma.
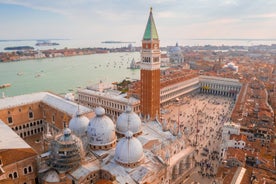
[(201, 118)]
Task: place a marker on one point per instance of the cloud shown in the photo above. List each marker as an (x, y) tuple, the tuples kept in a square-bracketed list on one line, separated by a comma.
[(172, 17), (224, 21), (265, 15), (166, 14)]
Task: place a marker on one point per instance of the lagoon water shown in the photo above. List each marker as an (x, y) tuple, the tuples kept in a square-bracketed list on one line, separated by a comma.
[(65, 74)]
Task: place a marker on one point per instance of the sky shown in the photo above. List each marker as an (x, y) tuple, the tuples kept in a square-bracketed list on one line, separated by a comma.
[(125, 20)]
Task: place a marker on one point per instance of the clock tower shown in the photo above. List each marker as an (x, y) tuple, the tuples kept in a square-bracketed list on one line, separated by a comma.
[(150, 71)]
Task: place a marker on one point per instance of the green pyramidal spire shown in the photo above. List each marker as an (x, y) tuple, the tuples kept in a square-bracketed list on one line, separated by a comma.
[(150, 32)]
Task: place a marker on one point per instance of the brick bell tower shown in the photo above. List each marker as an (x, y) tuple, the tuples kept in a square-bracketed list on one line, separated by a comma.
[(150, 71)]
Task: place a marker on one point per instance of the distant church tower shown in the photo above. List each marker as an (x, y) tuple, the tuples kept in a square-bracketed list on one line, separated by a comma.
[(150, 71)]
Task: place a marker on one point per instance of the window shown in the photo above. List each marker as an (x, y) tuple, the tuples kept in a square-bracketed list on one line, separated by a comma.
[(1, 162), (25, 170), (15, 175), (156, 59), (19, 109), (31, 114), (30, 169), (10, 176), (10, 120), (53, 118)]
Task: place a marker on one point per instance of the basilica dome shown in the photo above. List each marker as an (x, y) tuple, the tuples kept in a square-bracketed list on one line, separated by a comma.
[(101, 131), (176, 49), (129, 151), (128, 121), (78, 124), (51, 177)]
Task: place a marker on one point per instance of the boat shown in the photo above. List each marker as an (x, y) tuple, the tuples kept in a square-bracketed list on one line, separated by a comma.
[(37, 75), (5, 85), (20, 73)]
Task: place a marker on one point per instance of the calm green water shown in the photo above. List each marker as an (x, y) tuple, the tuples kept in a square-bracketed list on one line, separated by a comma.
[(62, 75)]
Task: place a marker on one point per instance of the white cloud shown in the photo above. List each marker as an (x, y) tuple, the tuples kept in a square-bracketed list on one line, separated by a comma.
[(190, 18)]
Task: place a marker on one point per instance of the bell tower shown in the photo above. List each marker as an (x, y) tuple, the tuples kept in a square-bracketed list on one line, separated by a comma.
[(150, 71)]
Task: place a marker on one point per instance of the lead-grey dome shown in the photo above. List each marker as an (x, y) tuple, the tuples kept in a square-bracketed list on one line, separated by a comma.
[(129, 151), (51, 177), (128, 121), (101, 130), (78, 124)]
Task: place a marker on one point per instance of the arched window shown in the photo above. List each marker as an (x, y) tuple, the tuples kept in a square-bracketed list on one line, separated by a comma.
[(30, 169), (53, 118), (10, 120), (15, 175), (31, 114), (25, 170), (10, 176)]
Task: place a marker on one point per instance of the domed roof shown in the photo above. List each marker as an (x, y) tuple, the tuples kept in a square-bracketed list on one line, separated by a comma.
[(78, 124), (66, 136), (129, 150), (66, 146), (101, 129), (176, 49), (128, 120), (51, 177)]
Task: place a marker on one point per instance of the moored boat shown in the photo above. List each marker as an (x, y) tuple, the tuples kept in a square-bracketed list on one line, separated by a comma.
[(20, 73)]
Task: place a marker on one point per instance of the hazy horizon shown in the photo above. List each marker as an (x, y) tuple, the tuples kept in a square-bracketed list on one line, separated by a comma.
[(126, 20)]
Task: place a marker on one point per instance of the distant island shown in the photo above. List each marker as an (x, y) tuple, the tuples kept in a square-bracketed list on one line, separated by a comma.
[(45, 43), (19, 48), (116, 42)]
